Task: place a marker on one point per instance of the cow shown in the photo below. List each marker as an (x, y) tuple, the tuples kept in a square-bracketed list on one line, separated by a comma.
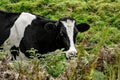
[(23, 31)]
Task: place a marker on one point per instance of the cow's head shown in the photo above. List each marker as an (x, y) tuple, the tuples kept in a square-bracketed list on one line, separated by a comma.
[(68, 30)]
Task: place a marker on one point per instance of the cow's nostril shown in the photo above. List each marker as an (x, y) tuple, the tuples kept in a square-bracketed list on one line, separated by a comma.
[(73, 53), (70, 54)]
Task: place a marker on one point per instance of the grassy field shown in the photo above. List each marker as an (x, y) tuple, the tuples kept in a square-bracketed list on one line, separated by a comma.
[(98, 49)]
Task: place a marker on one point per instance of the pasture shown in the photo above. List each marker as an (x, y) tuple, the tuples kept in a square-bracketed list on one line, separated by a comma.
[(98, 49)]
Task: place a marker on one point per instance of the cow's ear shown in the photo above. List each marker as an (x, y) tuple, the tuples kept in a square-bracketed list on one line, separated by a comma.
[(50, 26), (82, 27)]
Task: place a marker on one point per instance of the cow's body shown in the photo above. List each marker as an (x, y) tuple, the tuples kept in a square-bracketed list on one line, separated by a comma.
[(6, 23), (24, 31)]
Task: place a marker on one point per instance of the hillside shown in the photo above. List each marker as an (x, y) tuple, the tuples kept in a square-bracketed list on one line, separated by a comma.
[(98, 49)]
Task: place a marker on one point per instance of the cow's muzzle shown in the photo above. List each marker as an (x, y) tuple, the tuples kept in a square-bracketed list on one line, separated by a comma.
[(71, 53)]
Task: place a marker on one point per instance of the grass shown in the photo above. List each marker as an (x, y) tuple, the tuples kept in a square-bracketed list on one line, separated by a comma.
[(102, 15)]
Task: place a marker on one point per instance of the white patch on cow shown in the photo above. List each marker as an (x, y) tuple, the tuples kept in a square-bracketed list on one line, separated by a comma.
[(17, 31), (69, 25)]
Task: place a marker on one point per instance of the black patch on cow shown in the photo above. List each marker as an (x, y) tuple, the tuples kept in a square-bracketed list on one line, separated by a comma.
[(36, 36), (50, 26)]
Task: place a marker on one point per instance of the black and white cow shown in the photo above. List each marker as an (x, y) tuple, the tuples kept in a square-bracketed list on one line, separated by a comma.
[(23, 31)]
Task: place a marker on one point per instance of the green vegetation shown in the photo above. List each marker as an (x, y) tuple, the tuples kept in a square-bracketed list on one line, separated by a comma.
[(98, 49)]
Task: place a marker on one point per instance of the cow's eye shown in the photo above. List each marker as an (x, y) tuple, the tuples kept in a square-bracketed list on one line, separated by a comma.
[(62, 33)]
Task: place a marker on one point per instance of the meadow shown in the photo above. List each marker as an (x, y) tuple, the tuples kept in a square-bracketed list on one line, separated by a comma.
[(98, 55)]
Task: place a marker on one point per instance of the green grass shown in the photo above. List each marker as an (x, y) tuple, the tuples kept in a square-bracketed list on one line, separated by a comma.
[(104, 19)]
